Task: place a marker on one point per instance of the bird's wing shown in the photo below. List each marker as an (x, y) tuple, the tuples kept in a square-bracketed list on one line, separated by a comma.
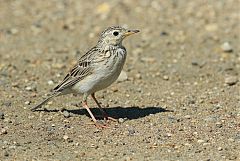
[(83, 68)]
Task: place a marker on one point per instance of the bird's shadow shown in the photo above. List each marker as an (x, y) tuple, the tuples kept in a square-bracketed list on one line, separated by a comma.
[(120, 112)]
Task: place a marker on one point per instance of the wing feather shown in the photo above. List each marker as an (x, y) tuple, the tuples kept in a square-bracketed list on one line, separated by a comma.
[(83, 68)]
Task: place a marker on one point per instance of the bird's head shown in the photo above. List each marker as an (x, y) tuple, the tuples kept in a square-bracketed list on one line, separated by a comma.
[(114, 35)]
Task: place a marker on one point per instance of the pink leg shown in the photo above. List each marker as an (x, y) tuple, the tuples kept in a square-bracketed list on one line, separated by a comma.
[(97, 124), (105, 115)]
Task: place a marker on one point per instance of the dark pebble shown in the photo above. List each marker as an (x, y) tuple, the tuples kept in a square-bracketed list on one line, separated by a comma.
[(7, 103), (195, 63), (164, 33), (1, 115), (5, 153)]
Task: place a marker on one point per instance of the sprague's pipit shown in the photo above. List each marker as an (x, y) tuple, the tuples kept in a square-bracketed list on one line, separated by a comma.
[(95, 70)]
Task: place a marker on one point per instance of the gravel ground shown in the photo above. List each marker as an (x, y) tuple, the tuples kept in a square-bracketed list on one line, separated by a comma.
[(179, 99)]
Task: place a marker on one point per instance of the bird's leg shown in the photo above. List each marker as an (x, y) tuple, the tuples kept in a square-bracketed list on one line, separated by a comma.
[(97, 124), (104, 113)]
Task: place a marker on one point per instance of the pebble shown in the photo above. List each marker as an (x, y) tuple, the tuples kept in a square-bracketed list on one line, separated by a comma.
[(1, 115), (122, 77), (139, 90), (138, 76), (165, 77), (114, 89), (3, 131), (50, 82), (187, 116), (121, 120), (27, 102), (219, 124), (7, 103), (13, 31), (6, 154), (200, 141), (131, 131), (28, 88), (65, 137), (66, 114), (35, 29), (231, 80), (220, 148), (231, 139), (195, 63), (226, 47)]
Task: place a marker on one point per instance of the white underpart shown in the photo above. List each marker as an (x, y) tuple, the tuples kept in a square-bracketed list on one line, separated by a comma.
[(105, 73)]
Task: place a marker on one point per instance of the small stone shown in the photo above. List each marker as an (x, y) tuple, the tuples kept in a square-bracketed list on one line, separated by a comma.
[(66, 114), (164, 33), (139, 90), (200, 141), (50, 82), (13, 31), (131, 131), (27, 102), (3, 131), (220, 148), (1, 115), (226, 47), (121, 120), (187, 116), (187, 144), (165, 77), (7, 103), (114, 89), (211, 27), (195, 63), (65, 137), (28, 88), (219, 124), (5, 153), (122, 77), (231, 80), (127, 158), (231, 139), (138, 76)]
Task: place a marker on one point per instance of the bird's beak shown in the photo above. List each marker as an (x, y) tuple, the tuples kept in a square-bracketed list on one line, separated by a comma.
[(130, 32)]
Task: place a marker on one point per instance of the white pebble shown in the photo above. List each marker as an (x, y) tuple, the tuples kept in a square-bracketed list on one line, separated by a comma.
[(50, 82), (65, 137), (28, 88), (226, 47)]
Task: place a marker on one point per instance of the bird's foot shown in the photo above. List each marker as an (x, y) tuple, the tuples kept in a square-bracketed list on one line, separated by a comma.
[(107, 118), (99, 124)]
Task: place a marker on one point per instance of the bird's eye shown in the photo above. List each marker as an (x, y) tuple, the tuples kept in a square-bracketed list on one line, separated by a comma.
[(115, 33)]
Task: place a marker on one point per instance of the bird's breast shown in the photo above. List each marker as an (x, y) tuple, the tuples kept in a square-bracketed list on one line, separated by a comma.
[(105, 73)]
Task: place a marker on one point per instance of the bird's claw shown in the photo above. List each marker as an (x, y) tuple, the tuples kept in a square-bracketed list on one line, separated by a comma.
[(108, 119), (99, 124)]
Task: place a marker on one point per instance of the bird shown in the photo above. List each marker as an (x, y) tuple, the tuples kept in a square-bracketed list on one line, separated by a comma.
[(95, 70)]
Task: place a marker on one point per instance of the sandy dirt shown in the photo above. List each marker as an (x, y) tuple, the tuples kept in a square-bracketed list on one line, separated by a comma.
[(179, 101)]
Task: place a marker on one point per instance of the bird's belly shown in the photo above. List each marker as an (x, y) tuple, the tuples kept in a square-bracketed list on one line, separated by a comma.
[(101, 78)]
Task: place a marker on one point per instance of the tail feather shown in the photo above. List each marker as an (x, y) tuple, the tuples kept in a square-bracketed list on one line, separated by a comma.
[(44, 101)]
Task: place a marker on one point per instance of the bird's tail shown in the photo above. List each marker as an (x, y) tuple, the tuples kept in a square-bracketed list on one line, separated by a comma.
[(44, 101)]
